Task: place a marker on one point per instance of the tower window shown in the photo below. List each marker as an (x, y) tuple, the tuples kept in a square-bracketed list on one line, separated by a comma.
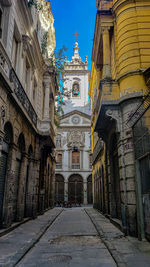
[(75, 90)]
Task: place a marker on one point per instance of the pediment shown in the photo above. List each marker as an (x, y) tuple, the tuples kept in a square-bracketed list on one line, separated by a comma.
[(75, 119)]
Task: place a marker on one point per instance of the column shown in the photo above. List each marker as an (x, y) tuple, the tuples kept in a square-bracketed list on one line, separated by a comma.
[(106, 52), (85, 193), (47, 97), (66, 191), (81, 160)]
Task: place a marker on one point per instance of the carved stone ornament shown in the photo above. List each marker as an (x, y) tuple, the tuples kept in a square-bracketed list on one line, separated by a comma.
[(115, 115), (75, 119), (76, 138), (26, 41), (3, 115)]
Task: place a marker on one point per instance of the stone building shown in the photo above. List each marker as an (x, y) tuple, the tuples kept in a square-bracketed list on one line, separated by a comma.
[(119, 80), (73, 150), (27, 90)]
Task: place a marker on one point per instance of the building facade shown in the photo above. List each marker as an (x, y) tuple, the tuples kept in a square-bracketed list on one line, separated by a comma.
[(119, 92), (73, 149), (27, 90)]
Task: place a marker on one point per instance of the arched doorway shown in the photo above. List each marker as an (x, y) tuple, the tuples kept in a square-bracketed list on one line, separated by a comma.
[(59, 188), (115, 178), (75, 188), (4, 158), (89, 190)]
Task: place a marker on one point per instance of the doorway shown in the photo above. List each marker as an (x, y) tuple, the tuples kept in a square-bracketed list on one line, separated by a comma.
[(75, 189), (59, 188)]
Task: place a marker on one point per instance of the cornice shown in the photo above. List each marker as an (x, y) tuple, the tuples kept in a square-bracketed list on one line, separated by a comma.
[(75, 112), (130, 73), (72, 127)]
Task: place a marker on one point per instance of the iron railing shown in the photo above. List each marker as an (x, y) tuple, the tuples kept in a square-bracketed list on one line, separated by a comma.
[(22, 97), (58, 165), (97, 149), (140, 110)]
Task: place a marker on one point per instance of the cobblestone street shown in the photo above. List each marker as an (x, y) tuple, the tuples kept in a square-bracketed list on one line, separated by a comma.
[(71, 237)]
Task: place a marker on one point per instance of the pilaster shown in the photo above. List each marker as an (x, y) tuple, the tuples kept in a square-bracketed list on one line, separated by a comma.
[(106, 53), (47, 97), (85, 193)]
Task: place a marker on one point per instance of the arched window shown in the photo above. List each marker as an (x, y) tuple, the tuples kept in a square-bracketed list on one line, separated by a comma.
[(75, 90)]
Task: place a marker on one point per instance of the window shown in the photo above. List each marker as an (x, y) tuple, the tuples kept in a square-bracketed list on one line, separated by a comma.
[(76, 160), (75, 90), (27, 76), (14, 52), (34, 92), (59, 161), (1, 23), (90, 161), (16, 45)]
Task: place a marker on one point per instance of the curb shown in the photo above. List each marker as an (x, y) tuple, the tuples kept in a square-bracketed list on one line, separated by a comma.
[(118, 258), (11, 228), (18, 256)]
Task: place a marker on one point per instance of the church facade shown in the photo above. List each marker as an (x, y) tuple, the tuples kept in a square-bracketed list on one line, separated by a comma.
[(73, 181)]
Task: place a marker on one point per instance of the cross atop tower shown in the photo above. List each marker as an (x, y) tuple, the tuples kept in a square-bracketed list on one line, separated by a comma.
[(76, 34)]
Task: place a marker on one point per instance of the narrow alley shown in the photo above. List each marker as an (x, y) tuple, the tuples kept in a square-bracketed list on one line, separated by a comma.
[(78, 236)]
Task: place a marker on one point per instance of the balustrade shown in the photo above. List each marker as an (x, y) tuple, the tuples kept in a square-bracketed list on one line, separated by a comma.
[(58, 165), (75, 166)]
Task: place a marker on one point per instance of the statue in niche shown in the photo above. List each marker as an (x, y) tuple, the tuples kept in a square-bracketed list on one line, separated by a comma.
[(75, 90)]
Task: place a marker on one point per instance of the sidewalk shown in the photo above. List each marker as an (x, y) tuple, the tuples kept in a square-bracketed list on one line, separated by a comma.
[(14, 245), (126, 251)]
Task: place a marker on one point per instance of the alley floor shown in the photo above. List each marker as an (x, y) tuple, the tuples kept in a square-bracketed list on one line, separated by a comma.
[(72, 237)]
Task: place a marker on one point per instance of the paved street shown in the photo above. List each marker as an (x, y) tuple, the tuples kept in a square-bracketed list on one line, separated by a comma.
[(71, 237)]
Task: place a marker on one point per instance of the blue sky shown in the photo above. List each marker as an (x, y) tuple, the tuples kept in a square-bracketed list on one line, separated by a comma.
[(71, 16)]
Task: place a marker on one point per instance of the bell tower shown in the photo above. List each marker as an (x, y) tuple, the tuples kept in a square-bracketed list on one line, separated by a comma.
[(76, 78)]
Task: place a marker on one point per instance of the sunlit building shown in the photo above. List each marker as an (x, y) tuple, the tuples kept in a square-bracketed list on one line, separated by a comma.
[(73, 149), (119, 92), (27, 91)]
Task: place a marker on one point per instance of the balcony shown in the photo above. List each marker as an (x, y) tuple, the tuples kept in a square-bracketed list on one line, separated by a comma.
[(22, 97), (97, 149), (97, 100), (75, 166), (58, 165)]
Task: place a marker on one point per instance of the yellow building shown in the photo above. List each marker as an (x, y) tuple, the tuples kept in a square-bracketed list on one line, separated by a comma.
[(119, 80)]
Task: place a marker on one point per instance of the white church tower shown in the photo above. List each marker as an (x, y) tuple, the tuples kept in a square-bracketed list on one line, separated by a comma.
[(73, 181), (76, 76)]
